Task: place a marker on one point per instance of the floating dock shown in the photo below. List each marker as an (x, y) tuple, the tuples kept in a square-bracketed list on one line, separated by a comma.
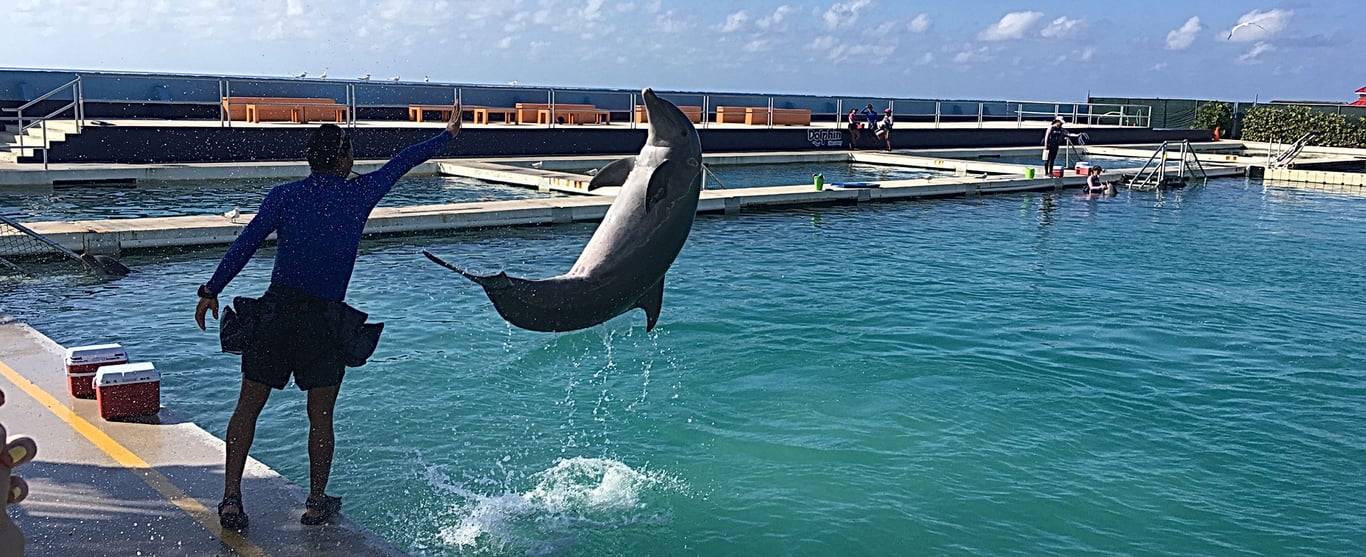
[(969, 178)]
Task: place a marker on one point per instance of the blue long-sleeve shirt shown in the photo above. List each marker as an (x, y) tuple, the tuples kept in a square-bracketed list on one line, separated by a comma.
[(318, 223)]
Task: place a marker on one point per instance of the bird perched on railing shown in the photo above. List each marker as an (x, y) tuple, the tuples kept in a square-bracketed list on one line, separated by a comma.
[(232, 215), (394, 79), (425, 80), (365, 77), (323, 75), (301, 75)]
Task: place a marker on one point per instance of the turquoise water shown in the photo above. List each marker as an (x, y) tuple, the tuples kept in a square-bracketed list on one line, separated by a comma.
[(762, 175), (792, 174), (210, 197), (1173, 374)]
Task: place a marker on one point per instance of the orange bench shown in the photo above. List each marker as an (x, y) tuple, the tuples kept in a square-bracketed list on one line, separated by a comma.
[(481, 114), (731, 114), (781, 116), (417, 111), (693, 113), (256, 109), (570, 113)]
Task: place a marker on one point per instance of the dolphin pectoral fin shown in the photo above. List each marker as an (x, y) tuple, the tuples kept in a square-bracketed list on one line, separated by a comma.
[(494, 281), (659, 183), (614, 174), (651, 302)]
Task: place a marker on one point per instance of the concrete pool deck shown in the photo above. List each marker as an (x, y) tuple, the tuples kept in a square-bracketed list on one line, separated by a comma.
[(148, 487)]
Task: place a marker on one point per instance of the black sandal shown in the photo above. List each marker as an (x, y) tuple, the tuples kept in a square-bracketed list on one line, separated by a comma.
[(325, 509), (233, 520)]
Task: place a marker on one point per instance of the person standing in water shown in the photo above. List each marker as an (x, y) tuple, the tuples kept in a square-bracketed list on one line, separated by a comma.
[(301, 326)]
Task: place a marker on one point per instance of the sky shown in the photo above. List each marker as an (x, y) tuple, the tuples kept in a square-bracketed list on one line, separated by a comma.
[(964, 49)]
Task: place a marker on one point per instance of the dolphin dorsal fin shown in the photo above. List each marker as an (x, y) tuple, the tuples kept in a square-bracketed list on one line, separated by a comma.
[(651, 301), (614, 174)]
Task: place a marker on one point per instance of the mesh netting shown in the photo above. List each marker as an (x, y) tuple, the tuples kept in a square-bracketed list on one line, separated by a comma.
[(21, 249)]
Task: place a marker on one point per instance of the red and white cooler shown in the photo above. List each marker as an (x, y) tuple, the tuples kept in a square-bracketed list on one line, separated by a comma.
[(83, 361), (128, 390)]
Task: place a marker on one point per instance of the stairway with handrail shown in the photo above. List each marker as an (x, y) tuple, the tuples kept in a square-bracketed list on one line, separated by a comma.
[(35, 134)]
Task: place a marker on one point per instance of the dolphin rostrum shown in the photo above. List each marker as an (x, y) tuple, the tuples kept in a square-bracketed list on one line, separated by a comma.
[(623, 265)]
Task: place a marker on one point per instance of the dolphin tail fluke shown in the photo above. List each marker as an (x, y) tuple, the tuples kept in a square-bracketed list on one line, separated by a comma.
[(495, 281), (614, 174), (651, 303)]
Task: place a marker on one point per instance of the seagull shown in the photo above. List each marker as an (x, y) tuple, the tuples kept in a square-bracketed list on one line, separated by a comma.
[(394, 79), (513, 82), (592, 172), (536, 164), (323, 75), (1240, 26), (301, 74), (365, 77), (232, 215), (425, 80)]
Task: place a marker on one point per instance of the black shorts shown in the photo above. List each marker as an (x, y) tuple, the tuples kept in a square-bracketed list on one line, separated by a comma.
[(300, 339)]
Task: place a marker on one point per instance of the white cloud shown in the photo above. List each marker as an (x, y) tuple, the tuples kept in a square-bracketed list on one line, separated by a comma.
[(926, 59), (1061, 28), (843, 14), (1252, 56), (506, 42), (758, 45), (921, 23), (1087, 53), (1158, 67), (1011, 26), (294, 8), (972, 55), (1260, 25), (774, 20), (1181, 39), (593, 10), (836, 51), (734, 22)]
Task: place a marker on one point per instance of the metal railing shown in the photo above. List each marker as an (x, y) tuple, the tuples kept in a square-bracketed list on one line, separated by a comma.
[(379, 96), (78, 115)]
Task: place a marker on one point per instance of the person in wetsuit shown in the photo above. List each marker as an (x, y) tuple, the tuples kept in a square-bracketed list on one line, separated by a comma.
[(1053, 138), (318, 223)]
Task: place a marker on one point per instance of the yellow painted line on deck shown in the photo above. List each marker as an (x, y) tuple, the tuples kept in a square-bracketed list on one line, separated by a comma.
[(154, 479)]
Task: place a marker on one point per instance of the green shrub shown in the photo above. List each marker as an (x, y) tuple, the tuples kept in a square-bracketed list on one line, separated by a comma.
[(1209, 115), (1284, 125)]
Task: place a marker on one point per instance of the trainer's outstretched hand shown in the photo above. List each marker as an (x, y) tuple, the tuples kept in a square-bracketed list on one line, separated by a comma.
[(453, 125), (17, 450)]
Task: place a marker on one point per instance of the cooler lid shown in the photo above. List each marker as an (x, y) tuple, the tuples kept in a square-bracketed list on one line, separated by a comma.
[(95, 353), (126, 374)]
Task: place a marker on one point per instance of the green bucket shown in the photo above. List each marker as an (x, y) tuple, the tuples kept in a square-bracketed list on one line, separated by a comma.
[(1029, 173)]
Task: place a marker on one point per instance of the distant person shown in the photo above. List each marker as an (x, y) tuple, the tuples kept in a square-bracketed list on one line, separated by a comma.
[(884, 128), (17, 450), (301, 326), (1095, 186), (870, 115), (854, 133), (1053, 138)]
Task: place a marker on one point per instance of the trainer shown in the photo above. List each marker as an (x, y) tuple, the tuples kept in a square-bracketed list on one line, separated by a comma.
[(301, 326)]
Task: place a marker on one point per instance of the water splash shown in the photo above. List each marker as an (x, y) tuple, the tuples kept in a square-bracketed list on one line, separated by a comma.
[(566, 502)]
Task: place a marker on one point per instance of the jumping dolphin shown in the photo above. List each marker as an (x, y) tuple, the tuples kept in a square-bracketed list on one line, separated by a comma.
[(623, 265)]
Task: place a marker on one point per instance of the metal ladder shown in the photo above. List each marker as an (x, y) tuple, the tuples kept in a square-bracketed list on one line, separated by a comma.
[(706, 170), (1285, 158), (1154, 175)]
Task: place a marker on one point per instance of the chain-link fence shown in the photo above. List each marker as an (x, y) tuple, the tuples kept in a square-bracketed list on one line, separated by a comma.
[(22, 250)]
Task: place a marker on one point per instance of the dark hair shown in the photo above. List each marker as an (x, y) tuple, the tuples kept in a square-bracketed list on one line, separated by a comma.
[(327, 144)]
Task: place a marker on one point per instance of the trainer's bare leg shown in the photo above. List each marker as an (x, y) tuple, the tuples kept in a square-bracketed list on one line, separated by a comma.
[(241, 432), (322, 402)]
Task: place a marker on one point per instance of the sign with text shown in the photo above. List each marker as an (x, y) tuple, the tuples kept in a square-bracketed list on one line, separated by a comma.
[(825, 138)]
